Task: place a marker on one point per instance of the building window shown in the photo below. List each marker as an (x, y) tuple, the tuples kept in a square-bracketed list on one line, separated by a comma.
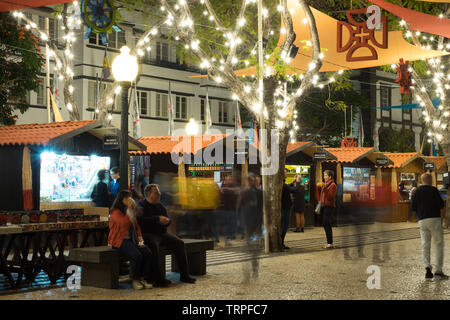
[(202, 109), (223, 112), (143, 102), (181, 108), (52, 27), (115, 39), (161, 105), (41, 99), (385, 96), (162, 51), (92, 89)]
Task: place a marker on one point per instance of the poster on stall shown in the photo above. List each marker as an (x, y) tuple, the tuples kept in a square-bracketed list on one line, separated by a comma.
[(68, 178)]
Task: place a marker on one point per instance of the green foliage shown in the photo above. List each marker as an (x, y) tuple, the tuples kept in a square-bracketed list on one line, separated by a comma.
[(20, 62), (396, 141), (322, 115)]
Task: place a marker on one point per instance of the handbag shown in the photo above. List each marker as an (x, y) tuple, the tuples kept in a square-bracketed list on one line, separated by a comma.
[(318, 207)]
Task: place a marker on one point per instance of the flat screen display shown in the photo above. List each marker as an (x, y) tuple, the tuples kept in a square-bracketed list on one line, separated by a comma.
[(67, 178)]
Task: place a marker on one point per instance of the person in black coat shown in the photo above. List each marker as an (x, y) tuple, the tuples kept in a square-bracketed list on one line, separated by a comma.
[(299, 204), (100, 195), (286, 206)]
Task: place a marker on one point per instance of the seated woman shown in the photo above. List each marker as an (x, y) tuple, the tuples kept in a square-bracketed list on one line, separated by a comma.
[(125, 235)]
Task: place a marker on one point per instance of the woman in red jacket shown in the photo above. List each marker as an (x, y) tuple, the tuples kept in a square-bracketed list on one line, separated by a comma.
[(125, 235), (328, 205)]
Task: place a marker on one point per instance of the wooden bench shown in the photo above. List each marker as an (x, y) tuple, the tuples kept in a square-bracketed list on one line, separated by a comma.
[(100, 265)]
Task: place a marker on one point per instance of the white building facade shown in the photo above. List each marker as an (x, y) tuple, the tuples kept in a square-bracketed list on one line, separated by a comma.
[(157, 68)]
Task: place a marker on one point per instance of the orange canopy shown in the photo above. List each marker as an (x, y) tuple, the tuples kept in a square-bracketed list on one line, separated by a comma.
[(397, 47)]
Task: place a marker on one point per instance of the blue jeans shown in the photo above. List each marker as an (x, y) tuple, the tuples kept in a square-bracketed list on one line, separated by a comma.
[(140, 258), (327, 219), (285, 217)]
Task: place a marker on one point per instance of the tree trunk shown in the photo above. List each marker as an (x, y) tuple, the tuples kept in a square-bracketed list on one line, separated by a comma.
[(446, 149), (274, 182), (74, 114)]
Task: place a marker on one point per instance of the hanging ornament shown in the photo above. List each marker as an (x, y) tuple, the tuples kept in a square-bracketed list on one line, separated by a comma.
[(99, 16), (403, 76)]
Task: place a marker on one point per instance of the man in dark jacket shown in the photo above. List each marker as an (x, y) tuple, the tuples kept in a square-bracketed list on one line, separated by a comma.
[(427, 203), (286, 206), (153, 220)]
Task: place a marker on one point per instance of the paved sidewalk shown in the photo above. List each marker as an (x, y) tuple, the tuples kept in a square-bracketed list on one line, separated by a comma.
[(298, 274)]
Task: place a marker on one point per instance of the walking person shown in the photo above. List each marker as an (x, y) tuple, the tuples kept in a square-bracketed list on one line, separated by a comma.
[(411, 193), (427, 203), (228, 197), (125, 235), (299, 204), (250, 204), (286, 206), (327, 199), (100, 195)]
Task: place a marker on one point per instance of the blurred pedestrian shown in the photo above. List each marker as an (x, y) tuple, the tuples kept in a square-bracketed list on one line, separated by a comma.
[(100, 195), (427, 203), (250, 204), (228, 197), (299, 204), (327, 199), (142, 181), (125, 235), (286, 207), (411, 193)]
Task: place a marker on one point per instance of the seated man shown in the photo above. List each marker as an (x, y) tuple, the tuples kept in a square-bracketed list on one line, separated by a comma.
[(153, 220)]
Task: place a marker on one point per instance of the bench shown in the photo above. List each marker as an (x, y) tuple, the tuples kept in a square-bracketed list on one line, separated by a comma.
[(100, 265)]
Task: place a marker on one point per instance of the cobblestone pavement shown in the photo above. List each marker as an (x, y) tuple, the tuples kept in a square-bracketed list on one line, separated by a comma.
[(304, 272)]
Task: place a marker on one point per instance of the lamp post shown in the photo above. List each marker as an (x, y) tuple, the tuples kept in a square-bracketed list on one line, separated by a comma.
[(124, 70)]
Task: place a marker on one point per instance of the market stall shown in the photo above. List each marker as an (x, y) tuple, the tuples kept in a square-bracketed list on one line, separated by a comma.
[(303, 157), (359, 183), (49, 171)]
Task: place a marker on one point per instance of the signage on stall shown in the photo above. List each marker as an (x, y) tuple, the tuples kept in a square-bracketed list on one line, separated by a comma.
[(110, 142), (429, 165), (320, 156), (382, 162)]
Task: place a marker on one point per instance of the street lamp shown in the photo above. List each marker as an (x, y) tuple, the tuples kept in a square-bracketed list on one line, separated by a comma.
[(124, 70), (192, 127)]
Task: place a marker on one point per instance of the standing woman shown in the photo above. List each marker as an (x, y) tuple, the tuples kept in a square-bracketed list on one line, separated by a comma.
[(299, 204), (328, 205), (125, 235)]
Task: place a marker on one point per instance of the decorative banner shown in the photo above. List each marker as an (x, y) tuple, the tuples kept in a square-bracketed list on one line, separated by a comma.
[(396, 46), (418, 21), (26, 4), (99, 16), (360, 37)]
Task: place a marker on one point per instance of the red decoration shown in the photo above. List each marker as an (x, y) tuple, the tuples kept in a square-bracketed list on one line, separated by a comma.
[(360, 37), (349, 142), (403, 76)]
